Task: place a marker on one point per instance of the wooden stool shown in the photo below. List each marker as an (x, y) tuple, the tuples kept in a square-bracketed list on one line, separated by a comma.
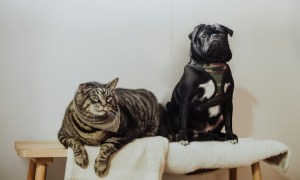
[(41, 154)]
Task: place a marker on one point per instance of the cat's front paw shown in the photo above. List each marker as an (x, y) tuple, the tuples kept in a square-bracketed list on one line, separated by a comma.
[(82, 159), (100, 166)]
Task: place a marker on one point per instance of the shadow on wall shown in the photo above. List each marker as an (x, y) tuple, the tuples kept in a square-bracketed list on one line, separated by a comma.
[(243, 104), (269, 172), (56, 171)]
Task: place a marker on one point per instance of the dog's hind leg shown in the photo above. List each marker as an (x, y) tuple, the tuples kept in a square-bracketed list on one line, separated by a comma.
[(210, 136)]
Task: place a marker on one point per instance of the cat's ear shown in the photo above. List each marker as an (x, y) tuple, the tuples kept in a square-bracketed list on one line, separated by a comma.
[(81, 93), (84, 87), (112, 84)]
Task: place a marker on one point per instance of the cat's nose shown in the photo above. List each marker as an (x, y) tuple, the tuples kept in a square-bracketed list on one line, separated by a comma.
[(103, 103)]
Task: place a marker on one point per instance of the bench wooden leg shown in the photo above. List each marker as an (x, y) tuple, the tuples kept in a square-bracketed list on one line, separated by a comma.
[(40, 173), (38, 168), (256, 173), (31, 170), (232, 173)]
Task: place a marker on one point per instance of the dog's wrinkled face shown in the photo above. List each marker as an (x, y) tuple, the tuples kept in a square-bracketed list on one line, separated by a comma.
[(209, 43)]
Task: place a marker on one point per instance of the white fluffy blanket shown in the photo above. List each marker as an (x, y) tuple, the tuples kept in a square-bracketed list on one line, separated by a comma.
[(213, 155), (148, 158), (141, 159)]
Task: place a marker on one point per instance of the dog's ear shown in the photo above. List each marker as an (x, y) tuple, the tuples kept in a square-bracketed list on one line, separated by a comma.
[(192, 35), (228, 30)]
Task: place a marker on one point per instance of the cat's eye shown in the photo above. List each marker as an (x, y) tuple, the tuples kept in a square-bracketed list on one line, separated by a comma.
[(94, 97)]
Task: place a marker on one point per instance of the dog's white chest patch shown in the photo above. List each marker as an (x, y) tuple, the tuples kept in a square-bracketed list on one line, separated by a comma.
[(214, 111), (209, 89)]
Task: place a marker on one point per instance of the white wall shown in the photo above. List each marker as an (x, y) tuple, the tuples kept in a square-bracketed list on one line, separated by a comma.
[(48, 47)]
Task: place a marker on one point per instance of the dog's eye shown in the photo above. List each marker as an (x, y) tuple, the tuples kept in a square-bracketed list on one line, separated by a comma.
[(203, 35)]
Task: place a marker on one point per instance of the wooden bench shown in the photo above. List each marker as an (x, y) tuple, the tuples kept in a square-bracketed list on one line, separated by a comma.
[(41, 154)]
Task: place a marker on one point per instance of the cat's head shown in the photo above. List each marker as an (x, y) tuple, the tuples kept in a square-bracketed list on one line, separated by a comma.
[(96, 101)]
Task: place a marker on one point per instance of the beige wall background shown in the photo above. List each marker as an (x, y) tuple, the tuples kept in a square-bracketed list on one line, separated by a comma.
[(48, 47)]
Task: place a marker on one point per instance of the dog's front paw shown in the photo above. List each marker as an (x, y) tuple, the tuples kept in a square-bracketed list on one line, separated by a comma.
[(182, 138), (100, 166), (82, 159), (232, 138), (184, 143)]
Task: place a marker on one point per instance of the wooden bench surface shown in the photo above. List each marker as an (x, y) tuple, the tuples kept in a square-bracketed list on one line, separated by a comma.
[(35, 149)]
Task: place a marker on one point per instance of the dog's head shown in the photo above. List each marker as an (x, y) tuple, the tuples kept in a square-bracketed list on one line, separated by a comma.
[(209, 43)]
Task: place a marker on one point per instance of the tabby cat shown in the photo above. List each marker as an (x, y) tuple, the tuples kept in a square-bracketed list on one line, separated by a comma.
[(101, 114)]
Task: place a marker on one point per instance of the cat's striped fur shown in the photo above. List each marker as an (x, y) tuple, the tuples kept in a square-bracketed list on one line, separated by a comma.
[(99, 114)]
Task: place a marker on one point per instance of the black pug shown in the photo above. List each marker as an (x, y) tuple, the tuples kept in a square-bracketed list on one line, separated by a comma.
[(201, 102)]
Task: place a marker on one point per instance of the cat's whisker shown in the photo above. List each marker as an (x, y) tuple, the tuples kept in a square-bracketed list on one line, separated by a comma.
[(113, 111), (110, 114), (114, 116)]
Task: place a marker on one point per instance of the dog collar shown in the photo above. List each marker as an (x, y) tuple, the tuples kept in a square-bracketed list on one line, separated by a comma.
[(217, 71), (209, 67)]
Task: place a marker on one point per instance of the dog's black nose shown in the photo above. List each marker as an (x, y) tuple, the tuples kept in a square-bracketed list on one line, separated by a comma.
[(215, 45)]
